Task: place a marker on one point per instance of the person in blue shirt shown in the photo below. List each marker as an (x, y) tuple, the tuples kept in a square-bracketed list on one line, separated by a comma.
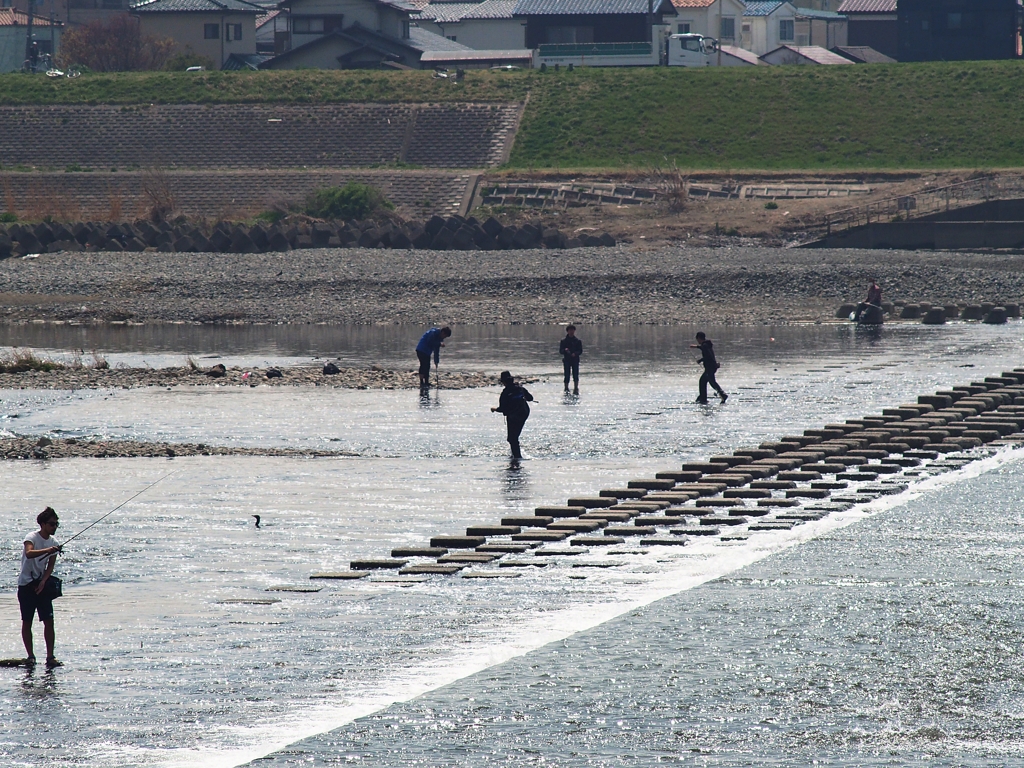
[(430, 344)]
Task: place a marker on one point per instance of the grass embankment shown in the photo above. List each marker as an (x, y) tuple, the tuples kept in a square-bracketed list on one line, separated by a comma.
[(884, 117)]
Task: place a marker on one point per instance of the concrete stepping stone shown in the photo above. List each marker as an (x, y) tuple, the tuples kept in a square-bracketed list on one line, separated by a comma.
[(537, 521), (524, 564), (672, 496), (652, 484), (641, 506), (698, 530), (573, 510), (731, 479), (505, 549), (903, 461), (457, 542), (883, 489), (563, 552), (402, 581), (679, 477), (719, 503), (627, 493), (602, 564), (849, 461), (703, 467), (778, 503), (372, 565), (623, 516), (720, 520), (589, 502), (468, 557), (752, 470), (804, 516), (493, 530), (250, 600), (733, 538), (769, 525), (857, 476), (732, 461), (753, 454), (432, 570), (490, 575), (661, 520), (291, 588), (869, 453), (596, 541), (664, 542), (576, 526), (629, 530), (747, 493), (825, 468), (747, 511), (400, 552), (828, 486), (800, 477), (855, 498), (807, 493), (540, 536), (885, 469), (773, 485), (340, 575), (704, 489)]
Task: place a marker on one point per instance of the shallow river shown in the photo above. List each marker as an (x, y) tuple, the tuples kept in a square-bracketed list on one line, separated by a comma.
[(884, 635)]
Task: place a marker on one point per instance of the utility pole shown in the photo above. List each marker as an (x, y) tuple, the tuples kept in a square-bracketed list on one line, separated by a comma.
[(719, 32), (28, 35)]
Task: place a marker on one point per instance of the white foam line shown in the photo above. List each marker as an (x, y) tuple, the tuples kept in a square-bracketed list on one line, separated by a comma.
[(547, 628)]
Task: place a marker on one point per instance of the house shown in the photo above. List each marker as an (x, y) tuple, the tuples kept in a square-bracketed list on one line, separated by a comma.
[(768, 24), (802, 54), (14, 40), (721, 19), (872, 23), (217, 29), (957, 30), (818, 5), (272, 32), (862, 54), (823, 28), (487, 25), (591, 21)]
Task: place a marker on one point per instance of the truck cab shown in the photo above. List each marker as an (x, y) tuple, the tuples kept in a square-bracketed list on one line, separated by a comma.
[(691, 50)]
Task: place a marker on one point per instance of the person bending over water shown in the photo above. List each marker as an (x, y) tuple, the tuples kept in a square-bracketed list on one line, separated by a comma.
[(513, 403), (430, 344)]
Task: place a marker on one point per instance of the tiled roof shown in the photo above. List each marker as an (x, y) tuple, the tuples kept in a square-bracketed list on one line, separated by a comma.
[(12, 18), (693, 3), (815, 53), (868, 6), (810, 13), (197, 6), (863, 54), (523, 55), (245, 61), (261, 20), (449, 12), (585, 7), (762, 7), (741, 53), (423, 40)]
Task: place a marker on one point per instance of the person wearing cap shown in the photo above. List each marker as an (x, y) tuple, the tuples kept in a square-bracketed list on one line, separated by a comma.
[(707, 359), (430, 344), (514, 404), (570, 349), (38, 556)]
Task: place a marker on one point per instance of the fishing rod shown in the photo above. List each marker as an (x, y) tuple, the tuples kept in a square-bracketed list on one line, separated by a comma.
[(117, 508)]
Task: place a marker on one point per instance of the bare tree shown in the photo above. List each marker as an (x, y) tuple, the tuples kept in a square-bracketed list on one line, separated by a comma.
[(117, 46)]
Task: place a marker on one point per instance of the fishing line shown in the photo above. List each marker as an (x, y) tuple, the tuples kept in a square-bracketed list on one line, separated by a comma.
[(117, 508)]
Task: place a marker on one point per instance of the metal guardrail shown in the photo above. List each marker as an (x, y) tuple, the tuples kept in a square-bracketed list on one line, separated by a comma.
[(920, 203)]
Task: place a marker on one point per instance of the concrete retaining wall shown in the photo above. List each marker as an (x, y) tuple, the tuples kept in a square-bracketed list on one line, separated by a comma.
[(926, 235)]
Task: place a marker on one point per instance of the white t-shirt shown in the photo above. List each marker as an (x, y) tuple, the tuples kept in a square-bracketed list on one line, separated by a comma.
[(33, 568)]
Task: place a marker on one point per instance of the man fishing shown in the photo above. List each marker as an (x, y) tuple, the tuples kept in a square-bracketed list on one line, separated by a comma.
[(707, 359), (513, 404), (430, 344), (570, 349), (37, 560), (874, 299)]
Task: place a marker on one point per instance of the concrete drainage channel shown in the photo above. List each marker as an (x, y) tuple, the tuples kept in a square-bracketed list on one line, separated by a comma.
[(778, 485)]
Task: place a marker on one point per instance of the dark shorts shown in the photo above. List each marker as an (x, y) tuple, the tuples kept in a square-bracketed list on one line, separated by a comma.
[(424, 358), (31, 603)]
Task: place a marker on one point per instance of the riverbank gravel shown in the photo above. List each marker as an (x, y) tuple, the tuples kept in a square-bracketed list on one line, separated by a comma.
[(665, 285)]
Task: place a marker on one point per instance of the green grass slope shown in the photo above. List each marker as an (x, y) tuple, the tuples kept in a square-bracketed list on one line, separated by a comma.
[(936, 115)]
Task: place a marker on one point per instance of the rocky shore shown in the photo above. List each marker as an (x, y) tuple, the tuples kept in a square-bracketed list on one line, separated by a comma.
[(309, 376), (737, 283), (41, 448)]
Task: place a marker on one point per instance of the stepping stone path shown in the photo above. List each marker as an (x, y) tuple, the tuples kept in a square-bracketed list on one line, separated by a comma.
[(799, 480)]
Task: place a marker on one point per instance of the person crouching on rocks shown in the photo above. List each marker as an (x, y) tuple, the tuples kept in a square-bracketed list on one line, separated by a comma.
[(514, 404)]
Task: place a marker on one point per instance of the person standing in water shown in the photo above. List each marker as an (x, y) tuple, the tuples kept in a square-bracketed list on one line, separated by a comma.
[(707, 359), (430, 344), (514, 404), (570, 349), (38, 556)]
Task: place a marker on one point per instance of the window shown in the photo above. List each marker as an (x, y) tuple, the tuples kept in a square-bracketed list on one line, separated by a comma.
[(308, 26), (786, 31), (728, 28), (211, 31), (683, 29), (232, 32), (405, 29), (452, 38)]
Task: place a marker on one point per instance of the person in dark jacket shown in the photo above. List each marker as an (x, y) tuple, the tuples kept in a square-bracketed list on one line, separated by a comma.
[(874, 299), (430, 344), (570, 349), (707, 359), (514, 404)]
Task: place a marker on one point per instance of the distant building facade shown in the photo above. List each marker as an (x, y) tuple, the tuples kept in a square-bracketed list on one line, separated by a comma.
[(959, 30), (14, 40), (872, 24)]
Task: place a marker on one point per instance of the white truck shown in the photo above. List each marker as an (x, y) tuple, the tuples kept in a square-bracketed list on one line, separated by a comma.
[(683, 50), (691, 50)]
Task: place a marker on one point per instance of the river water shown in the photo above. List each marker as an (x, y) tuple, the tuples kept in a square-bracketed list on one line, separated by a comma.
[(882, 635)]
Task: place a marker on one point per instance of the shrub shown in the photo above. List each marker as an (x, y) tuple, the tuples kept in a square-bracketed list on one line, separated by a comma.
[(353, 201), (20, 362), (771, 206), (8, 218), (117, 46), (182, 60)]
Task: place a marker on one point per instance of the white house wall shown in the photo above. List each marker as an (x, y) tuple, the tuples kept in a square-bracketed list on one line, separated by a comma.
[(372, 16), (764, 31), (482, 34), (187, 30)]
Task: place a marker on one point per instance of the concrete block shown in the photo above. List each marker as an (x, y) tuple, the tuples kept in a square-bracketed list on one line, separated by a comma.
[(492, 530), (664, 541), (589, 502), (341, 575), (457, 542), (437, 570), (596, 541), (695, 530), (505, 549), (531, 521), (652, 484), (370, 565), (629, 530), (545, 535), (468, 557), (575, 526), (418, 551)]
